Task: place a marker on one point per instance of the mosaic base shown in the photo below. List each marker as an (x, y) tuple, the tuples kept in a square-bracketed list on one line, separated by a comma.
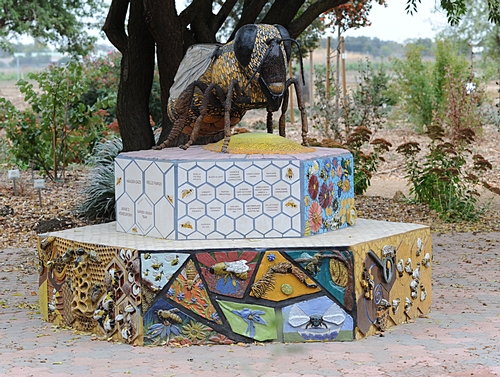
[(336, 286), (177, 195)]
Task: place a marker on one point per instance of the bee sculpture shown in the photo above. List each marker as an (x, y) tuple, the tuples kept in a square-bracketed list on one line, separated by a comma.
[(216, 85)]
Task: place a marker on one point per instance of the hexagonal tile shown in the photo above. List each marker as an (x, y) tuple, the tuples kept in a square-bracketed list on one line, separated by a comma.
[(205, 225), (262, 191), (243, 192), (272, 174), (225, 225), (144, 214), (125, 214), (253, 208), (133, 181), (281, 190), (234, 175), (215, 175), (153, 178), (253, 174), (186, 193), (234, 209), (197, 176), (215, 209), (164, 218), (282, 223), (224, 192), (291, 206), (206, 193), (263, 224), (244, 225), (119, 182), (272, 207), (290, 173), (196, 209), (186, 226)]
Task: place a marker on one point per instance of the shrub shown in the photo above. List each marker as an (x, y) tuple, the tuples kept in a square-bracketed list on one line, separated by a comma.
[(99, 193)]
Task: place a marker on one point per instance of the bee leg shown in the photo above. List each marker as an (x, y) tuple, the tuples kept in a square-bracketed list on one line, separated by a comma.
[(269, 121), (227, 114), (183, 106), (284, 108), (302, 108)]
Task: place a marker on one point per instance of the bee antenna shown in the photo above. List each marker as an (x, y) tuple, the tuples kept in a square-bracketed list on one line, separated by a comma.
[(300, 55)]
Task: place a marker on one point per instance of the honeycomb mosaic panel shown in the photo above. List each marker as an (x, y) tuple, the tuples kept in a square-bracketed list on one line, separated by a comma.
[(224, 295), (212, 196)]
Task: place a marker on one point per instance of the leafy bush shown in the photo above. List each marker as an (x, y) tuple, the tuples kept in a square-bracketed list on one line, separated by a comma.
[(422, 84), (442, 179), (59, 128)]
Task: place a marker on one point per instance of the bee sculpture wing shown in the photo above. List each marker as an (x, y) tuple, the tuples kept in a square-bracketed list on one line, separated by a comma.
[(297, 317), (194, 64), (238, 267), (334, 314)]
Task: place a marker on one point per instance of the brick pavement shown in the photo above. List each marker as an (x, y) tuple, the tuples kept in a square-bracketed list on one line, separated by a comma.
[(460, 337)]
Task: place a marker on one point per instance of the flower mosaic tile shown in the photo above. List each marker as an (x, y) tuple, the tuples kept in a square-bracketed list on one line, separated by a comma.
[(254, 321), (216, 196), (228, 273), (319, 319), (189, 291), (164, 324)]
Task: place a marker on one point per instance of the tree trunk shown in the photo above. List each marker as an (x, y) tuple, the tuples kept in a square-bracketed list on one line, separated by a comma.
[(136, 76)]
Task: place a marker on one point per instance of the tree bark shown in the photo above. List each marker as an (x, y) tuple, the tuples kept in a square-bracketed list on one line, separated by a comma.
[(136, 76)]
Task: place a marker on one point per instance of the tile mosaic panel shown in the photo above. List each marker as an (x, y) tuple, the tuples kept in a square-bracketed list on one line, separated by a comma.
[(228, 273), (319, 319), (328, 194), (165, 324), (178, 293), (220, 197), (189, 291)]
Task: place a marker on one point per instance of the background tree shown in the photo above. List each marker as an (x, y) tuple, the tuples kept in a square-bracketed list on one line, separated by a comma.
[(476, 31), (60, 22), (156, 23)]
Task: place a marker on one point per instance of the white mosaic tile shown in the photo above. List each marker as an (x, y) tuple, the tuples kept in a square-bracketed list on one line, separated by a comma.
[(144, 214), (210, 197), (133, 181), (125, 213), (154, 183)]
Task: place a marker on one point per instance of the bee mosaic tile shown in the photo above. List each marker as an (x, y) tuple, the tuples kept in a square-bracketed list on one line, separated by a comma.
[(168, 195)]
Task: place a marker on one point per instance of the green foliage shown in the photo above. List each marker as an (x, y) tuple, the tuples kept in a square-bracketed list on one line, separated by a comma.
[(60, 22), (441, 179), (99, 193), (361, 113), (421, 84), (413, 78), (59, 128)]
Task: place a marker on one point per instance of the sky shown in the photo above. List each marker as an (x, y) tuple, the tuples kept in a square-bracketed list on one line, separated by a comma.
[(394, 24)]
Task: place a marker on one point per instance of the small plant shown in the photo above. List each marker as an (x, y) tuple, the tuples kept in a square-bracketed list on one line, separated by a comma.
[(99, 193), (362, 111), (59, 128), (442, 179)]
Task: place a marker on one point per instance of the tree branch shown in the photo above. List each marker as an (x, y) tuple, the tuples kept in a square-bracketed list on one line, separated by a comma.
[(114, 27), (282, 12), (224, 12), (301, 23), (251, 10)]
